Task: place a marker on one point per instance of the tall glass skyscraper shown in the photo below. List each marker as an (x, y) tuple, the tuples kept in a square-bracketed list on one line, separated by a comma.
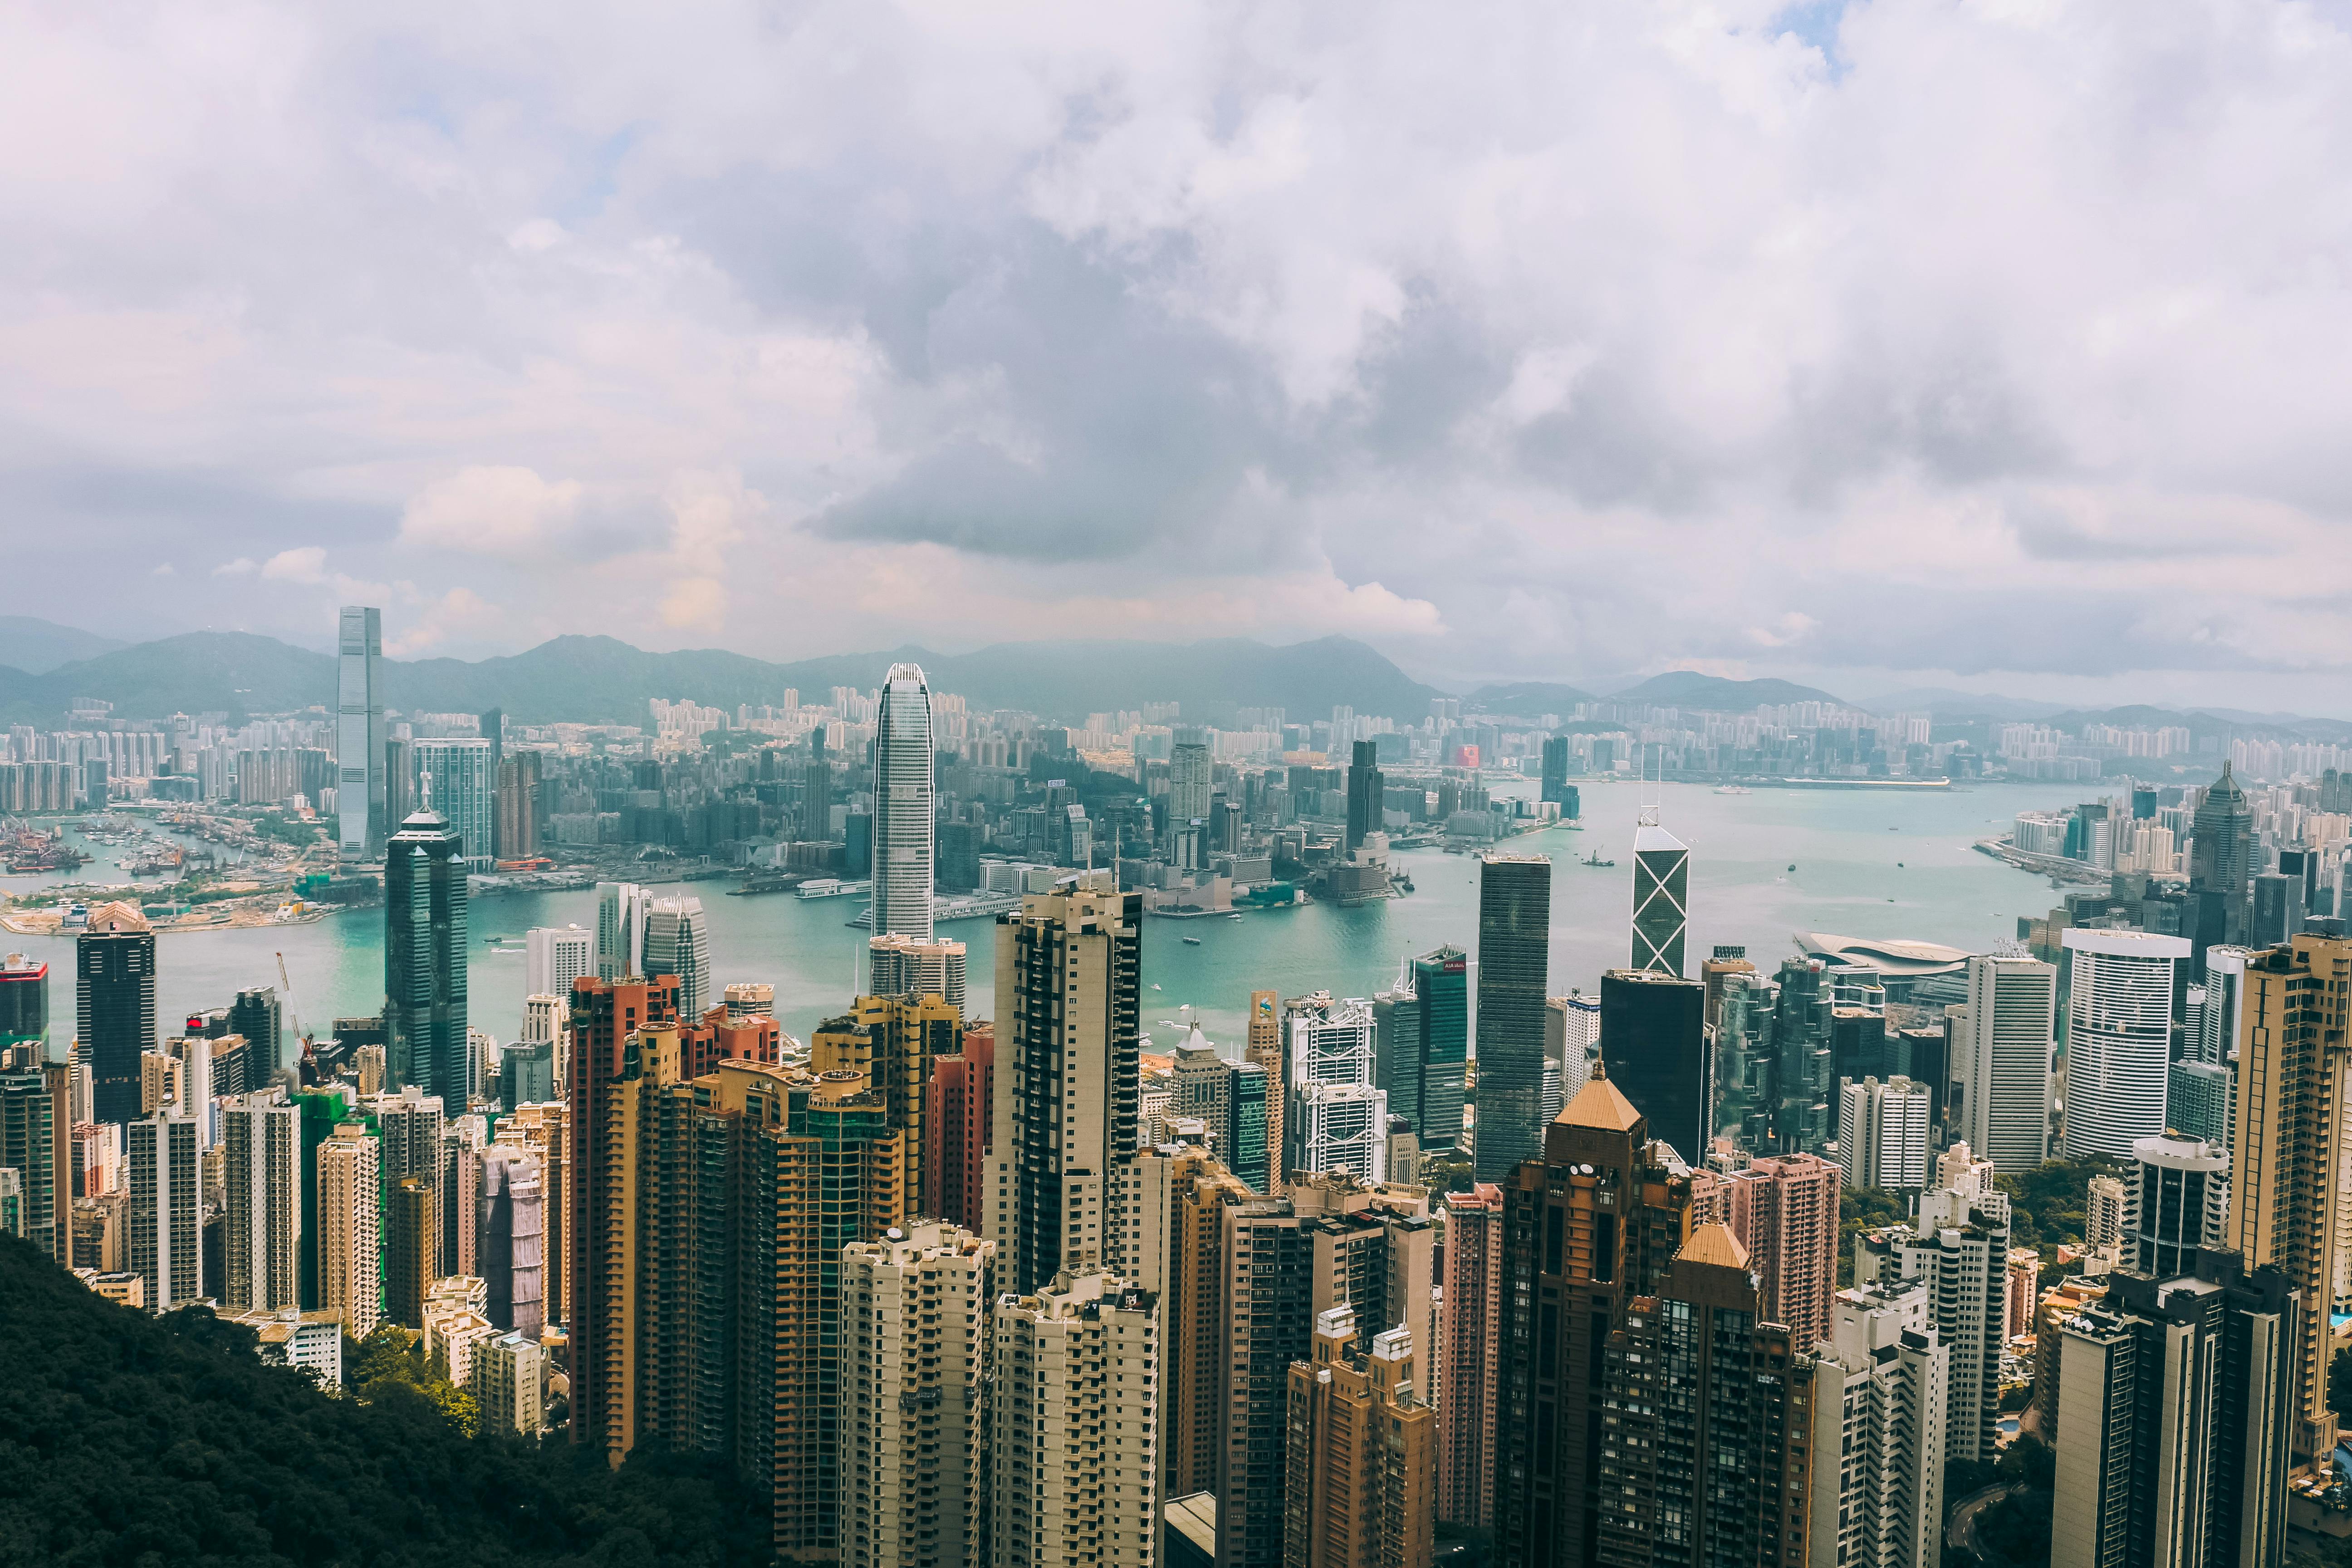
[(359, 733), (903, 807), (678, 941), (114, 1007), (1514, 938), (425, 959), (1422, 1046), (457, 781), (2223, 852)]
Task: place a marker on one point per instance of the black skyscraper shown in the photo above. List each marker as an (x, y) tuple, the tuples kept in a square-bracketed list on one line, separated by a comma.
[(114, 1014), (1514, 939), (258, 1015), (1555, 773), (1654, 1037), (1364, 787), (494, 731), (2220, 867), (425, 960)]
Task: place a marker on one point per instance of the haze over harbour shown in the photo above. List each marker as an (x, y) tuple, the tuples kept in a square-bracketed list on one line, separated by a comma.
[(1869, 863)]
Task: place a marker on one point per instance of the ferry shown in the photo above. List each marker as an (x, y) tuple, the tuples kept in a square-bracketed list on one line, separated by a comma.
[(1192, 942), (1734, 789), (833, 887)]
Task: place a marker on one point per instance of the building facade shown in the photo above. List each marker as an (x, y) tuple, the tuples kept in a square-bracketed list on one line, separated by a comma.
[(1514, 959)]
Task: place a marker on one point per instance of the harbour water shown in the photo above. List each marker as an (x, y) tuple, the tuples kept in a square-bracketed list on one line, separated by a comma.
[(1867, 863)]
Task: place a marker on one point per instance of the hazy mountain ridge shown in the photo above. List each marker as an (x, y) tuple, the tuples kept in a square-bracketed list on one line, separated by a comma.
[(35, 646)]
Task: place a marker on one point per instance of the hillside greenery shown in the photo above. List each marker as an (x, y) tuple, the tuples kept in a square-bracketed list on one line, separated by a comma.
[(129, 1441)]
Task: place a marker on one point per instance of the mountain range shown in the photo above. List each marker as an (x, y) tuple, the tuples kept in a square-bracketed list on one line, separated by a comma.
[(592, 680)]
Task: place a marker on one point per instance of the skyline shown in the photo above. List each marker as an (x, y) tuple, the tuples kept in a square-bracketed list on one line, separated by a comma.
[(871, 326)]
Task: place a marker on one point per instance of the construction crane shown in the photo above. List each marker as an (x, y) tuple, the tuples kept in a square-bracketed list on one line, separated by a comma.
[(291, 1011)]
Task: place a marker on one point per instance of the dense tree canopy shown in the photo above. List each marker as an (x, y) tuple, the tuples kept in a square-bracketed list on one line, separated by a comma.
[(134, 1442)]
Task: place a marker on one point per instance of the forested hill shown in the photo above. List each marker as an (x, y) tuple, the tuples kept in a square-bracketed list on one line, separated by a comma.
[(132, 1442)]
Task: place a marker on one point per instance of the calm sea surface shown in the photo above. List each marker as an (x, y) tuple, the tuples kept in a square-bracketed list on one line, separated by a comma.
[(1885, 865)]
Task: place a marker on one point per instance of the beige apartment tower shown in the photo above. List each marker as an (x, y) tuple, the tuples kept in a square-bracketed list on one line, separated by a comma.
[(1361, 1452), (914, 1362), (1264, 1048), (1469, 1351), (1074, 1453), (2287, 1203), (350, 1227)]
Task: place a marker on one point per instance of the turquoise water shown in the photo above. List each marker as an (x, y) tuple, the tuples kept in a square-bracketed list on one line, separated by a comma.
[(1844, 844)]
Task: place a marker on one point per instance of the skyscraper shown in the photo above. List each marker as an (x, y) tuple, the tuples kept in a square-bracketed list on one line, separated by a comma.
[(1585, 1230), (2000, 1060), (1883, 1133), (1784, 1210), (1337, 1119), (1362, 1451), (2119, 1039), (2222, 851), (678, 942), (454, 782), (1422, 1046), (961, 1089), (2175, 1399), (517, 805), (1076, 1460), (1068, 969), (511, 1234), (412, 1248), (166, 1211), (1555, 773), (1188, 778), (23, 1003), (622, 909), (1364, 793), (555, 956), (917, 966), (493, 727), (1959, 1248), (424, 955), (1266, 1048), (1514, 956), (114, 963), (1703, 1442), (36, 1140), (350, 1215), (261, 1180), (1661, 897), (2288, 1206), (2180, 1202), (1880, 1395), (916, 1331), (1469, 1351), (904, 805), (361, 818), (1654, 1039), (260, 1017)]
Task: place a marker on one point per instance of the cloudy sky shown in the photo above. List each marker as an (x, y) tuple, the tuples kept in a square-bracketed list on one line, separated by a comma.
[(2004, 344)]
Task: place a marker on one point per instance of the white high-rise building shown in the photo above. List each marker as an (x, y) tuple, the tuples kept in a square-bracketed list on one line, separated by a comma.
[(555, 956), (904, 804), (1883, 1133), (359, 826), (2119, 1039), (1335, 1119), (1959, 1249), (678, 941), (621, 911), (194, 1099), (917, 966), (915, 1341), (166, 1210), (2002, 1060), (2105, 1207), (351, 1229), (1074, 1449), (1881, 1395), (261, 1183)]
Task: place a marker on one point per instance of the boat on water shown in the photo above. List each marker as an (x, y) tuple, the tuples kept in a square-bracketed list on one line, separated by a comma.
[(1594, 859), (1734, 789), (1192, 942)]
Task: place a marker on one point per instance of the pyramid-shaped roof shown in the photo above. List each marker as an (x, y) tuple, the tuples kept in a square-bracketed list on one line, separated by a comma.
[(1599, 1104), (1714, 1244)]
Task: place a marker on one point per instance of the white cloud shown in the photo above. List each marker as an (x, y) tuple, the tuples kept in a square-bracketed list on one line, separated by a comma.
[(1583, 341)]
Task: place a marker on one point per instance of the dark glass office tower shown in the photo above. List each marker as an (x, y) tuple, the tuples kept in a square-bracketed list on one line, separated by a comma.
[(259, 1016), (1654, 1037), (1555, 773), (425, 959), (114, 1014), (1364, 787), (494, 729), (2220, 868), (1421, 1045), (1514, 936), (23, 1003), (1248, 1153)]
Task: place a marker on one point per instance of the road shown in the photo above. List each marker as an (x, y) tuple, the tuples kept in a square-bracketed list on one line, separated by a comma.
[(1960, 1535)]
